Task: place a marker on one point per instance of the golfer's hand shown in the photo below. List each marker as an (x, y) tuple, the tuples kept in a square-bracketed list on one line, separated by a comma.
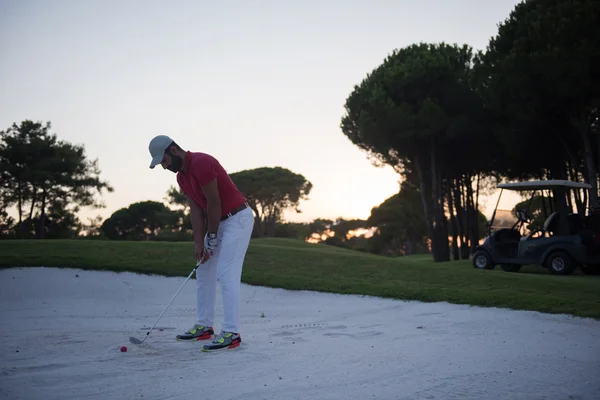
[(205, 257), (210, 243)]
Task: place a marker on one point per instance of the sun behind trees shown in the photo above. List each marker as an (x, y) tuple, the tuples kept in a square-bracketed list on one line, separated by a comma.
[(417, 113)]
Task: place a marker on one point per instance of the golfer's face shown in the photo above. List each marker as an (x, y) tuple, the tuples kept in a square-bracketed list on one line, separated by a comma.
[(171, 162), (166, 161)]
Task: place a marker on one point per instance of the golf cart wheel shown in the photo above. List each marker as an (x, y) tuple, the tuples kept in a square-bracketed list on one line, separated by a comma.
[(482, 260), (511, 267), (560, 263)]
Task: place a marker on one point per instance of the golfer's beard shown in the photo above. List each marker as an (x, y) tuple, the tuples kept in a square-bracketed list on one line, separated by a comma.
[(176, 163)]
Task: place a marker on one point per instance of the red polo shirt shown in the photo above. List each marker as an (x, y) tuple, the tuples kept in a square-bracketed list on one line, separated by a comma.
[(201, 168)]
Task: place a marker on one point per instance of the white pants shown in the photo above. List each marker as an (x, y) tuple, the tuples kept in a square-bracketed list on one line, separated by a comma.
[(225, 267)]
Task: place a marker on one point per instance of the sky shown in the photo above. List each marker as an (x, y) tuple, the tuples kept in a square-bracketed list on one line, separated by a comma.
[(254, 84)]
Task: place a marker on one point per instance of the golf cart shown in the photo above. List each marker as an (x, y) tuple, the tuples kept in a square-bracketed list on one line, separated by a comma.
[(566, 240)]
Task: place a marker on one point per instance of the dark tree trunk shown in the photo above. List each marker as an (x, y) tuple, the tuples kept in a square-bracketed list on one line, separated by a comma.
[(258, 220), (574, 176), (271, 222), (437, 222), (410, 246), (560, 195), (467, 217), (453, 223), (595, 131), (471, 215), (425, 200), (20, 208), (569, 176), (33, 201), (42, 225), (445, 234), (476, 232), (589, 160), (544, 208), (439, 243), (460, 216)]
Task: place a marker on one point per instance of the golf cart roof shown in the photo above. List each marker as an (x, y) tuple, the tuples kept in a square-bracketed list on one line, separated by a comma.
[(544, 184)]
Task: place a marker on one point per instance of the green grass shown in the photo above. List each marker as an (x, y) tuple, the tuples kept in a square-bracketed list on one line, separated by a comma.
[(293, 264)]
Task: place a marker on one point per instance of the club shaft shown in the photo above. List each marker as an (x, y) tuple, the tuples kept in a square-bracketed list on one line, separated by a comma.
[(160, 316)]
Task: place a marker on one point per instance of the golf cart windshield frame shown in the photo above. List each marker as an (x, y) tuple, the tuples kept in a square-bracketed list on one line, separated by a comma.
[(542, 185), (535, 186)]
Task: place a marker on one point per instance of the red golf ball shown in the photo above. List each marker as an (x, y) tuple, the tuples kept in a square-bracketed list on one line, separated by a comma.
[(123, 349)]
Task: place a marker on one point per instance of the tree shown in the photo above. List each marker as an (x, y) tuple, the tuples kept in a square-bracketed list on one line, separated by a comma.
[(6, 225), (40, 171), (400, 222), (539, 81), (271, 191), (92, 228), (319, 229), (59, 222), (140, 221), (121, 225), (343, 229), (178, 200), (341, 232), (294, 230), (412, 112)]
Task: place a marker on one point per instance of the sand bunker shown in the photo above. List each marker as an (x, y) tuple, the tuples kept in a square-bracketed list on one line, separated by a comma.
[(62, 330)]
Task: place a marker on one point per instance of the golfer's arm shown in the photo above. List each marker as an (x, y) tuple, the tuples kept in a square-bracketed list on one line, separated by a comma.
[(198, 221), (213, 205)]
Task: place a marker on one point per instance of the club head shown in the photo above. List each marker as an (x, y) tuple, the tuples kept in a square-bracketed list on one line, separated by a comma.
[(135, 340)]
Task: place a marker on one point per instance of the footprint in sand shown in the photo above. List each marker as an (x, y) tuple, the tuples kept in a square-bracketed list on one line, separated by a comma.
[(283, 334), (297, 333), (361, 334), (338, 334)]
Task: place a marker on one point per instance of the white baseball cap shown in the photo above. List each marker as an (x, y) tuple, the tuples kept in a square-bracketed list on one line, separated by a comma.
[(157, 148)]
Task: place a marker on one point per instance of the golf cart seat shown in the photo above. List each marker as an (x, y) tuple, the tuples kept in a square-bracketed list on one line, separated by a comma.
[(550, 227), (551, 223), (506, 242)]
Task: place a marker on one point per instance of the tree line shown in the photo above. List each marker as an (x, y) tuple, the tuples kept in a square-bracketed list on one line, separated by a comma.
[(47, 181)]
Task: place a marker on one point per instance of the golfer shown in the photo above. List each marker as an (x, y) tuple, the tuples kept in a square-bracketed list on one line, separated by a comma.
[(222, 224)]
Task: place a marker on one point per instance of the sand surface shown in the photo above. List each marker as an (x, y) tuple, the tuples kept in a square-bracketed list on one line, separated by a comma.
[(61, 336)]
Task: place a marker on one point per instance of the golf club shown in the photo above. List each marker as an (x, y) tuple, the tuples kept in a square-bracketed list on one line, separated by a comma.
[(136, 340)]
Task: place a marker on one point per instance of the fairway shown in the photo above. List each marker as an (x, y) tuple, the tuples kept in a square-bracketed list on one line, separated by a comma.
[(297, 265)]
